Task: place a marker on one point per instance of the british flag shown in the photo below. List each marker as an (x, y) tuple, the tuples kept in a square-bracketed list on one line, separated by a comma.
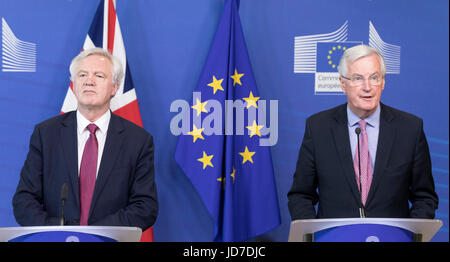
[(105, 32)]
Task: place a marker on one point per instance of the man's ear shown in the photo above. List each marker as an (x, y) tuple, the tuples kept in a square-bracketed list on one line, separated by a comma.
[(114, 91), (342, 80)]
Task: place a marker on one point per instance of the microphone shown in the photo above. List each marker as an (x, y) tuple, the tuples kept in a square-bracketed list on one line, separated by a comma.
[(362, 212), (63, 200)]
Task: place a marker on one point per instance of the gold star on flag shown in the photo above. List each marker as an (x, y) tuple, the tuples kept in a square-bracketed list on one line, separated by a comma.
[(216, 84), (251, 100), (254, 129), (247, 155), (220, 179), (233, 174), (206, 160), (223, 179), (236, 77), (200, 107), (196, 133)]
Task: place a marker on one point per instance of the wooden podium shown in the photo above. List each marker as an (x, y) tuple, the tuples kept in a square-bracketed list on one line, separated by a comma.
[(364, 230), (70, 234)]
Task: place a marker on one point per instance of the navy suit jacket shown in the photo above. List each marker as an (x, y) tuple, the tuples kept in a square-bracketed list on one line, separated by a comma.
[(325, 173), (125, 191)]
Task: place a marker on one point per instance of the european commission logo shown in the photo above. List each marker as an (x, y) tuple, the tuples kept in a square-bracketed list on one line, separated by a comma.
[(17, 55), (320, 55)]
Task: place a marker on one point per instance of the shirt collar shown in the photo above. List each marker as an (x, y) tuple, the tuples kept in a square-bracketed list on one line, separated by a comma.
[(102, 123), (373, 120)]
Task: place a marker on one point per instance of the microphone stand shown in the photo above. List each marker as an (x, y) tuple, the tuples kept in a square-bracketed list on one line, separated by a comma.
[(63, 200)]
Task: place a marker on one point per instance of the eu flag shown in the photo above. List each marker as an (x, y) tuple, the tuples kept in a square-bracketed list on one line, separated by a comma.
[(329, 54), (232, 173)]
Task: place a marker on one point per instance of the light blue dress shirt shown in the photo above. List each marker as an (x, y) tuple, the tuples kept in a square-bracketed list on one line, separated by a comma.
[(372, 129)]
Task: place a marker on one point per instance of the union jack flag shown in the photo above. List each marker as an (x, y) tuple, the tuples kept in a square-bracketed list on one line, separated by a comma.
[(105, 32)]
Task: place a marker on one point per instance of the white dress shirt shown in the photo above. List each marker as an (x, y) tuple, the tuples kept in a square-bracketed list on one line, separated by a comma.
[(83, 134)]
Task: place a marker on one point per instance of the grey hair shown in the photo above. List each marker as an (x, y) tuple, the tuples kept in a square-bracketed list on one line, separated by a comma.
[(354, 53), (118, 74)]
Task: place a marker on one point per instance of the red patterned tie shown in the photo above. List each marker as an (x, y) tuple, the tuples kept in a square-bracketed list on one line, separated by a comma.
[(366, 165), (88, 172)]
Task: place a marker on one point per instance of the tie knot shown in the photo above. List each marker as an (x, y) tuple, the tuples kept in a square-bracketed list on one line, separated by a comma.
[(92, 128), (362, 124)]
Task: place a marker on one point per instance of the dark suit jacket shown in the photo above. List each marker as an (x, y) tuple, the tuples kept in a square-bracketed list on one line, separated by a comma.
[(125, 191), (402, 169)]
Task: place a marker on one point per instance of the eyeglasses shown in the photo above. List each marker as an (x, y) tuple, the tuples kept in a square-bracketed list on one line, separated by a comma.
[(360, 80)]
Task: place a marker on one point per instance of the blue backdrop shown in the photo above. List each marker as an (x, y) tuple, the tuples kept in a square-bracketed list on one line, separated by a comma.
[(167, 43)]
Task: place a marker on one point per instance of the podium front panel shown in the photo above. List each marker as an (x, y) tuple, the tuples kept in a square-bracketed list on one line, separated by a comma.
[(422, 229), (61, 236), (364, 233), (70, 234)]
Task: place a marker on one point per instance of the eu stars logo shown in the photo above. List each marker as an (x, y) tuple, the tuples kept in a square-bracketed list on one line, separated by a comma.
[(333, 53), (207, 153), (328, 56)]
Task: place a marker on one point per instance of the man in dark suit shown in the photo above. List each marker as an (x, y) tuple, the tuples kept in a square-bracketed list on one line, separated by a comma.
[(391, 165), (105, 161)]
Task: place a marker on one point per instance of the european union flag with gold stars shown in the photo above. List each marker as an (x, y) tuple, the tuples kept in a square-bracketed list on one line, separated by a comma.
[(232, 173)]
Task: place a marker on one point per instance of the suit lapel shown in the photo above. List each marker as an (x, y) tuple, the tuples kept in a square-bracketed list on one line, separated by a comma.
[(342, 142), (111, 151), (386, 139), (70, 150)]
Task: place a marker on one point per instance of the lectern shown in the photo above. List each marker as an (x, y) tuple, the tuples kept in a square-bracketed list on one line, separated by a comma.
[(364, 230), (70, 234)]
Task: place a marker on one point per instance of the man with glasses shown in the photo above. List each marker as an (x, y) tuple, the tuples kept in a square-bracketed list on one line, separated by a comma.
[(363, 158)]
